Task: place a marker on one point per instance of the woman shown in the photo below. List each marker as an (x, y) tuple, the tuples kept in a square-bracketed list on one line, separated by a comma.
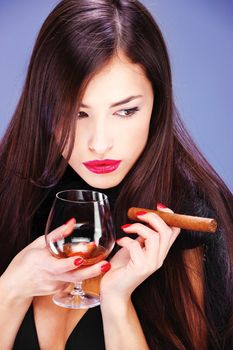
[(99, 88)]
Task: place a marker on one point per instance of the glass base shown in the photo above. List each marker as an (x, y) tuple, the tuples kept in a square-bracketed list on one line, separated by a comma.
[(75, 301)]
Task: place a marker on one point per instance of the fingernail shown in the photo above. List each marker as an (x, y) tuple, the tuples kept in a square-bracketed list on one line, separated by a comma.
[(142, 212), (161, 206), (78, 261), (106, 267), (125, 226), (69, 221)]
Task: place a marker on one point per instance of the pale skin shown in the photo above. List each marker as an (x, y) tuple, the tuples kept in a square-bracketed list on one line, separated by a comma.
[(136, 261), (107, 127), (34, 275)]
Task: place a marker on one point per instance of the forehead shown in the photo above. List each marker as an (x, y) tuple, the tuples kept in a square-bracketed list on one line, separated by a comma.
[(116, 80)]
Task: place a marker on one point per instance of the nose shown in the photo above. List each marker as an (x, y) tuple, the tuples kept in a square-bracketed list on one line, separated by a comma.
[(100, 140)]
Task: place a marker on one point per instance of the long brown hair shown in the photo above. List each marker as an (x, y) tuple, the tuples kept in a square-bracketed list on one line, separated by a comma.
[(75, 41)]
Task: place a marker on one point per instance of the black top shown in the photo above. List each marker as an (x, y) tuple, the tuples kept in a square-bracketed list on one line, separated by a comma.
[(87, 335)]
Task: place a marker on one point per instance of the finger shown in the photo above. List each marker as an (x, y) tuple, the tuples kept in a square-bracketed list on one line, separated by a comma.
[(61, 231), (56, 235), (141, 241), (54, 287), (167, 237), (135, 251), (162, 207), (151, 239), (58, 266), (167, 233), (85, 272), (153, 220), (142, 230), (175, 230)]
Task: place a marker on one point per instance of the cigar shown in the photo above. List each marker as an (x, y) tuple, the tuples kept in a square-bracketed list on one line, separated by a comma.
[(187, 222)]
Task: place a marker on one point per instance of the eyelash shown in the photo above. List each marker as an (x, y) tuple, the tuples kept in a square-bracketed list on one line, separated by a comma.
[(130, 112), (79, 117)]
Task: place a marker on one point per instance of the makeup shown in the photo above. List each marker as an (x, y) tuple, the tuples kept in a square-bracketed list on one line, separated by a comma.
[(102, 166)]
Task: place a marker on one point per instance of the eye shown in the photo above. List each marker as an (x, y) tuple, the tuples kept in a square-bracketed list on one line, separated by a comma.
[(127, 112), (81, 115)]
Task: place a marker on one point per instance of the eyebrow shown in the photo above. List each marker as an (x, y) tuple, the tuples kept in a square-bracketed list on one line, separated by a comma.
[(122, 102)]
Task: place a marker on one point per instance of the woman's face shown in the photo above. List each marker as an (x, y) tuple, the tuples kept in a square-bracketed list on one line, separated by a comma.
[(112, 123)]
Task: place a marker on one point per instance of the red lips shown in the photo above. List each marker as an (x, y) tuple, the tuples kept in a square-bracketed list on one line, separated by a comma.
[(102, 166)]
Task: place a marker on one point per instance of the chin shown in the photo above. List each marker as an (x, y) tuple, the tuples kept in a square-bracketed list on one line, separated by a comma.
[(103, 182)]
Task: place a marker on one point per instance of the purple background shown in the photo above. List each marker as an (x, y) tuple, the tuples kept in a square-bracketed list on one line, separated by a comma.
[(199, 36)]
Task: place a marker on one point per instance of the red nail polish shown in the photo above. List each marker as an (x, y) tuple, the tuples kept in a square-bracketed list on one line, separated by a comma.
[(78, 261), (161, 206), (125, 226), (142, 212), (106, 267), (72, 219)]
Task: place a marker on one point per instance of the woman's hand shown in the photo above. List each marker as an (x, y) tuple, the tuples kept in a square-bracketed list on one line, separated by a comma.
[(139, 258), (34, 271)]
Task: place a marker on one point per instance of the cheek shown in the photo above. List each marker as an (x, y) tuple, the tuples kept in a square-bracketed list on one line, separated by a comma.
[(78, 147), (132, 140), (81, 135), (137, 134)]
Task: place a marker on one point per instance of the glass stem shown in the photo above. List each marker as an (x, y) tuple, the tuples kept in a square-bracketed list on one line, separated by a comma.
[(78, 290)]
